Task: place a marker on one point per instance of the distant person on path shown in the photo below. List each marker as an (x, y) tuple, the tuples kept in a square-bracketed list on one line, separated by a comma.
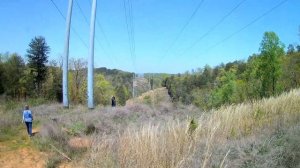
[(113, 101), (27, 118)]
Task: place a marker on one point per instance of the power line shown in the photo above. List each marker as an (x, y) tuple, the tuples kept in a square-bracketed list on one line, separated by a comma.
[(213, 27), (130, 29), (105, 37), (249, 24), (103, 32), (86, 21), (82, 13), (101, 29), (73, 29), (183, 28)]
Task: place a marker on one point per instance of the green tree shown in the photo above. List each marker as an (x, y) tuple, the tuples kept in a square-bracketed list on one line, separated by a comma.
[(227, 88), (14, 71), (122, 94), (37, 58), (251, 76), (103, 90), (290, 49), (78, 77), (206, 78), (291, 71), (298, 48), (2, 90), (272, 51), (52, 86)]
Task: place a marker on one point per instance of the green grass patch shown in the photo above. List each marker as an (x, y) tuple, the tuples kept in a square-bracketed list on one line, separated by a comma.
[(76, 128)]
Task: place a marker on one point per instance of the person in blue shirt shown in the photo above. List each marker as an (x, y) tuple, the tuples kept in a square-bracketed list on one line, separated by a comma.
[(27, 118)]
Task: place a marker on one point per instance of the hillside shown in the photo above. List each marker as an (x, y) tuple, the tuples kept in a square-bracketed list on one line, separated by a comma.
[(152, 97), (148, 133), (105, 71), (142, 82)]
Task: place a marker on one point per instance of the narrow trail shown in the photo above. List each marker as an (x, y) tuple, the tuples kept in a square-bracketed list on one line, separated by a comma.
[(19, 152)]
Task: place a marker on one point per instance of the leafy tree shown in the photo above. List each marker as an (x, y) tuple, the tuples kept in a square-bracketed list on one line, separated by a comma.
[(298, 48), (270, 69), (52, 88), (37, 58), (26, 82), (79, 75), (251, 76), (201, 98), (290, 49), (14, 70), (206, 79), (122, 94), (291, 71), (226, 91), (103, 90), (2, 90)]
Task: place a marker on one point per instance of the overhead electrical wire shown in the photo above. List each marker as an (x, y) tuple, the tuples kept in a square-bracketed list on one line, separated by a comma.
[(101, 28), (213, 27), (73, 29), (130, 29), (98, 41), (128, 11), (105, 38), (183, 29), (82, 13), (247, 25)]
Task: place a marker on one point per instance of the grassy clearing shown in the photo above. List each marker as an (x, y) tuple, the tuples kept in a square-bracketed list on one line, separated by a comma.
[(60, 126), (262, 133), (171, 144)]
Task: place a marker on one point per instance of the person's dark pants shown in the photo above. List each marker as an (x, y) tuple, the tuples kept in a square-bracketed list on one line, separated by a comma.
[(29, 128)]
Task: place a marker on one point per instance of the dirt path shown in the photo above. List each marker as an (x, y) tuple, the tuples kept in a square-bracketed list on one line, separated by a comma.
[(24, 157), (20, 153)]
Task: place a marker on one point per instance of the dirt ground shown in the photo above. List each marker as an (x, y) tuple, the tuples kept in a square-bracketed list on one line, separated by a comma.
[(24, 157), (19, 153)]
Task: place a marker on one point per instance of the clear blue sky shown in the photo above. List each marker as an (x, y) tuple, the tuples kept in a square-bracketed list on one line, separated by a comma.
[(157, 23)]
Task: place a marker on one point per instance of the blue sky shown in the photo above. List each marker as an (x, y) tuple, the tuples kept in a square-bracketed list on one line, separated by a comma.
[(157, 23)]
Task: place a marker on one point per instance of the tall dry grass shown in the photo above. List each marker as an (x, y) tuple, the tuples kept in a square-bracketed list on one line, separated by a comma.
[(174, 144)]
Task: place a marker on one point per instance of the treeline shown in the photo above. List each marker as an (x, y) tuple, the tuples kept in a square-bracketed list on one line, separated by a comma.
[(268, 73), (39, 78)]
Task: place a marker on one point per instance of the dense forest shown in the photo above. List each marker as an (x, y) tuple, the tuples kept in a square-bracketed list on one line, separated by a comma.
[(268, 73)]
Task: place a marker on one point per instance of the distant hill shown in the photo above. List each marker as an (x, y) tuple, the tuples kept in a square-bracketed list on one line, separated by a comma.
[(142, 81), (152, 97), (106, 71)]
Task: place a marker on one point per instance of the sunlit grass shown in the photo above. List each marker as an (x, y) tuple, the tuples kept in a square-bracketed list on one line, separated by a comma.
[(171, 145), (139, 135)]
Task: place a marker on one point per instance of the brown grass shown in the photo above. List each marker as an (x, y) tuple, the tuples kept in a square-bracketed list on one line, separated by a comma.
[(171, 144), (152, 132)]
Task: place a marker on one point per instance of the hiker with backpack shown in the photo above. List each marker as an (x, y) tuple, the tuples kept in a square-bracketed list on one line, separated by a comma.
[(27, 118)]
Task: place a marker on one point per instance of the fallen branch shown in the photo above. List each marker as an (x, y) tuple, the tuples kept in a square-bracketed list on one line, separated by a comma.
[(64, 155)]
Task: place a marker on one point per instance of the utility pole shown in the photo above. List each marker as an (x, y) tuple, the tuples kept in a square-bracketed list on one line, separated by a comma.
[(91, 57), (149, 82), (66, 57), (133, 78)]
